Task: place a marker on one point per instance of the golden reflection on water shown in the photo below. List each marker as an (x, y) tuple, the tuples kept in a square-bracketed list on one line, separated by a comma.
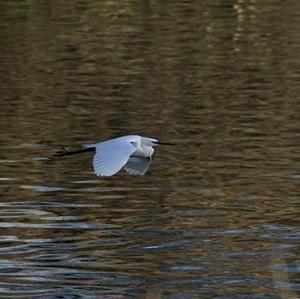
[(214, 217)]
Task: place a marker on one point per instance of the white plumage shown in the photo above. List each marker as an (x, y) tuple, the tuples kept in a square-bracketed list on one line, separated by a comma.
[(131, 152)]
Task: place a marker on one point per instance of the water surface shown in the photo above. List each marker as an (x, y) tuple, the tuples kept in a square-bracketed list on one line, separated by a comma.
[(216, 216)]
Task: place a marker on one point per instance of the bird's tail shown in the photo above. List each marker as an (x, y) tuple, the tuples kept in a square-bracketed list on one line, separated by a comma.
[(65, 151)]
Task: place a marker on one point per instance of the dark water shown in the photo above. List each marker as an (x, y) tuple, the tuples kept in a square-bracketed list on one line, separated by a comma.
[(215, 217)]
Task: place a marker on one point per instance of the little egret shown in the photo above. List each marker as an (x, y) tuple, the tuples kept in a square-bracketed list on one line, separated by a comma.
[(133, 152)]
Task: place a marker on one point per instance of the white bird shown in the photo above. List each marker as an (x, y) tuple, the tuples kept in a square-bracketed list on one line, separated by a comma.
[(131, 152)]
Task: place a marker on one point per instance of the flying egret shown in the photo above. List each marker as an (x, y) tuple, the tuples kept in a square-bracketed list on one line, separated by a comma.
[(131, 152)]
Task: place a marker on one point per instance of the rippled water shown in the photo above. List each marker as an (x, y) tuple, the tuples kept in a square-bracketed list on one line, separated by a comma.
[(215, 217)]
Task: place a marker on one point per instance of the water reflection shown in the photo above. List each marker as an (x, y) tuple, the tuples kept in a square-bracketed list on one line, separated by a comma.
[(217, 215)]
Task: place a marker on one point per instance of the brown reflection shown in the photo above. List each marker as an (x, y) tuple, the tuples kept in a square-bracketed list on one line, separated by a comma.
[(281, 280), (152, 294), (221, 80)]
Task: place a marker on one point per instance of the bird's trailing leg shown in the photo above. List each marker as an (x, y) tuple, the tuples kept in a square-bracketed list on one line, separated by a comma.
[(65, 151)]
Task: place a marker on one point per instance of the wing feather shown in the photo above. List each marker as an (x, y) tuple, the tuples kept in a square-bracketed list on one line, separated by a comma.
[(137, 165), (111, 156)]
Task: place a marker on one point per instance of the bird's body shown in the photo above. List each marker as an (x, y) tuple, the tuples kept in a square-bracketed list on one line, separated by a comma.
[(131, 152)]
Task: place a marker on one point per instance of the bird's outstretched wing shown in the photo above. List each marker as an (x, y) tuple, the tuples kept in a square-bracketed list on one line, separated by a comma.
[(111, 156), (137, 165)]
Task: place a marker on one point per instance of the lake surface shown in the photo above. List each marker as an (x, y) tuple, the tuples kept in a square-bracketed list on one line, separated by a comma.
[(217, 216)]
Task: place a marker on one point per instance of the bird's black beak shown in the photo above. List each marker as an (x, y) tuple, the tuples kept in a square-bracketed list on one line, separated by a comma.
[(164, 143)]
